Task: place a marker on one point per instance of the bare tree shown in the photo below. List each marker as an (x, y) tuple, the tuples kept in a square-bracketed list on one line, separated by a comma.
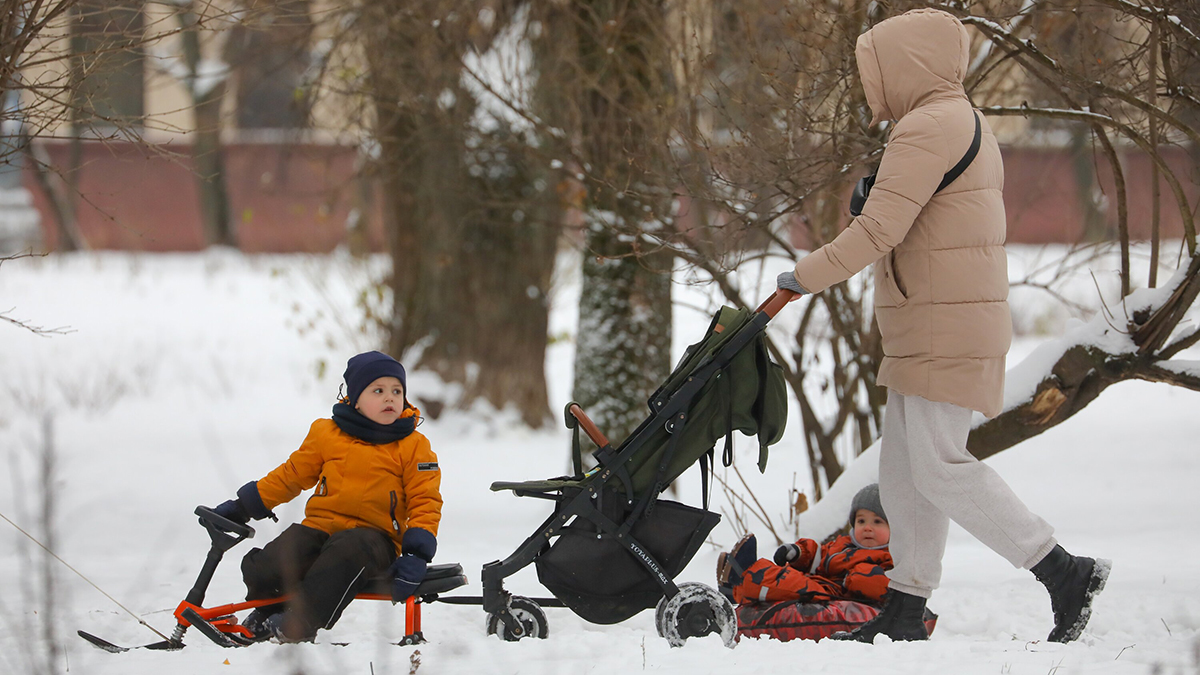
[(1127, 100), (1155, 39), (471, 223), (766, 100), (825, 124), (205, 80), (603, 74), (25, 29)]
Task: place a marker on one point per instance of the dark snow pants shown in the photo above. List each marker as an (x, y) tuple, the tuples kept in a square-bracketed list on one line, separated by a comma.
[(321, 572)]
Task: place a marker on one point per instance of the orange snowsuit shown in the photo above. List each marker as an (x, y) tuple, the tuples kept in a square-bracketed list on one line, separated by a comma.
[(838, 570), (389, 487)]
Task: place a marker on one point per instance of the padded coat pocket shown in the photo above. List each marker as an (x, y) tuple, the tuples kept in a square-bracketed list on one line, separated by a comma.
[(887, 287)]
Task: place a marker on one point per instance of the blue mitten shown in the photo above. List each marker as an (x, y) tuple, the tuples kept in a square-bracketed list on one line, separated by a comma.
[(232, 509), (252, 503), (247, 505), (408, 571)]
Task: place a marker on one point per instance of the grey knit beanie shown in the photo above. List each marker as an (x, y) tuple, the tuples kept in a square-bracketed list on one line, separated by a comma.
[(868, 498)]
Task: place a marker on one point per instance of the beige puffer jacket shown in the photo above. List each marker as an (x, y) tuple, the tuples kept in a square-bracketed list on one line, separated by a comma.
[(941, 274)]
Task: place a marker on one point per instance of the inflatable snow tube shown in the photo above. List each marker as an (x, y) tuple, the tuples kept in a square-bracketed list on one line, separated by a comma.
[(794, 620)]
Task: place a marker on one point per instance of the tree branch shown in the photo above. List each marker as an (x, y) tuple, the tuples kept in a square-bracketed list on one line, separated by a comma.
[(1153, 331), (1185, 211), (1188, 379), (36, 330), (1180, 345), (1122, 205), (1156, 16), (995, 31)]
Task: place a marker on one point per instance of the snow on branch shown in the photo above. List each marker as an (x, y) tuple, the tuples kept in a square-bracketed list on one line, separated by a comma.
[(1189, 369)]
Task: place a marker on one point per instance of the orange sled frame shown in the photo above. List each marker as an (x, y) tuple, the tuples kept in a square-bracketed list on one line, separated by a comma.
[(221, 626)]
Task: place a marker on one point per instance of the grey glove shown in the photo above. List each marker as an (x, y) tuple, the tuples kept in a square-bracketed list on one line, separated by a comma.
[(787, 281)]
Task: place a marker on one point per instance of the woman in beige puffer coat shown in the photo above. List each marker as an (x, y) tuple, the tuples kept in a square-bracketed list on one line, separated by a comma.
[(941, 289)]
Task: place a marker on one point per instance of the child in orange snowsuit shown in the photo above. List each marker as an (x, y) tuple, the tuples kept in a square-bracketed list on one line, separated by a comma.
[(850, 567)]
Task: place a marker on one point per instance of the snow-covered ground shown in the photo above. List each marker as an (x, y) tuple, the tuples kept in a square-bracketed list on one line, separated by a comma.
[(187, 375)]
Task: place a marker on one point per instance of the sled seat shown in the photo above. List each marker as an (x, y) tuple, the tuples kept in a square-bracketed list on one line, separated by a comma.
[(439, 578)]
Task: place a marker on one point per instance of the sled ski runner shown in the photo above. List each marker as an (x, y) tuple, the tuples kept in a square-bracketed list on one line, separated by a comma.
[(101, 643)]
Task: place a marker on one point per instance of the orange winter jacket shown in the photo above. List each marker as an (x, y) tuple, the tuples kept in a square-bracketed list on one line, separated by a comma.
[(859, 570), (389, 487)]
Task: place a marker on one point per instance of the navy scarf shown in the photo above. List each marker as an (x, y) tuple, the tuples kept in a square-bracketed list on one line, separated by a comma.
[(357, 425)]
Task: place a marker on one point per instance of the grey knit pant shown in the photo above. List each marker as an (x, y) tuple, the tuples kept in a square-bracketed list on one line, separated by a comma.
[(927, 477)]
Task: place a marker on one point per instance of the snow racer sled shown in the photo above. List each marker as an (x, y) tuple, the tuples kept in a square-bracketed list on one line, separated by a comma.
[(798, 620), (611, 548), (221, 626)]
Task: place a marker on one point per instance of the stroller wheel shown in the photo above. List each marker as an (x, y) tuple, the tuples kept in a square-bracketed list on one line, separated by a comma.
[(530, 619), (697, 610)]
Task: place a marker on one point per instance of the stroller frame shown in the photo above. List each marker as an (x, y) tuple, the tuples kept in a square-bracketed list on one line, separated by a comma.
[(671, 411)]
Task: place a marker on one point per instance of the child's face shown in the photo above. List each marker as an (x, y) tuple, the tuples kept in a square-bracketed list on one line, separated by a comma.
[(382, 401), (870, 530)]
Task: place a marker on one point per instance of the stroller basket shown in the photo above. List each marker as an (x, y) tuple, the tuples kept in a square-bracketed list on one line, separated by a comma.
[(599, 580)]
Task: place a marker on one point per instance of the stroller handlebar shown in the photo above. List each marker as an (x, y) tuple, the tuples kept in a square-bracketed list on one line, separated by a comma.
[(771, 306), (778, 300), (589, 427)]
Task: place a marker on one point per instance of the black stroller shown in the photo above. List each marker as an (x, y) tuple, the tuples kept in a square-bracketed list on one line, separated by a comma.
[(611, 548)]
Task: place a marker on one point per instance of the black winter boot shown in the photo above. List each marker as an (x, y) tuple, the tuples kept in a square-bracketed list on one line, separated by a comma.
[(1073, 582), (733, 564), (902, 618), (256, 621)]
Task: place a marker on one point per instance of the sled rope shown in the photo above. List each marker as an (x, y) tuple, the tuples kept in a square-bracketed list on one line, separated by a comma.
[(68, 566)]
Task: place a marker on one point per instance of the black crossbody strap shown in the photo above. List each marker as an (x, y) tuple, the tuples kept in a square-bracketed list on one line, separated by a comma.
[(966, 160)]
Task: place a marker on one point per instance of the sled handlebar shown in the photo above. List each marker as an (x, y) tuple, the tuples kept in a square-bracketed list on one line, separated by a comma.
[(212, 519), (778, 300), (589, 427)]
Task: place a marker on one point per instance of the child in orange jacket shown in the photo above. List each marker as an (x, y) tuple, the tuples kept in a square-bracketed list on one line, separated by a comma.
[(850, 567), (375, 509)]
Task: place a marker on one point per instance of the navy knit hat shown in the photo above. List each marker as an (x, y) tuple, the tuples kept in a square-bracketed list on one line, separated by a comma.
[(868, 498), (365, 368)]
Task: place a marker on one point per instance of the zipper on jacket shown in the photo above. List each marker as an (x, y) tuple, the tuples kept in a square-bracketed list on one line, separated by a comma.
[(322, 489), (395, 523)]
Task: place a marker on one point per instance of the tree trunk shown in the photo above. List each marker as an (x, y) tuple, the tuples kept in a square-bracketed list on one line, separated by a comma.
[(209, 164), (60, 193), (623, 343), (604, 70), (472, 255), (1083, 164)]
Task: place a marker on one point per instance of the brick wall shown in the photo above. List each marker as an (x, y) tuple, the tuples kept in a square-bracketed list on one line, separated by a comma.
[(296, 198)]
